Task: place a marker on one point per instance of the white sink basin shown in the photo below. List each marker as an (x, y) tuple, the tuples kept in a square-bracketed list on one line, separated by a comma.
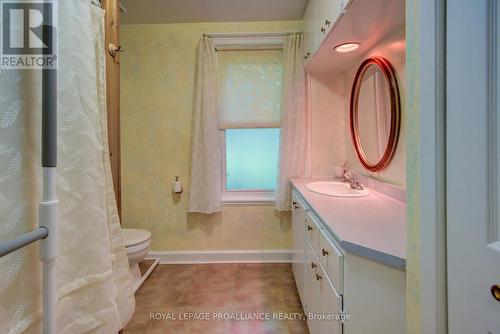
[(336, 189)]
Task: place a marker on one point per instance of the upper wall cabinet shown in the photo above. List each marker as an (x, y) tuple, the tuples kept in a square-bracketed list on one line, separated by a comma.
[(328, 11), (319, 18), (310, 29), (329, 23)]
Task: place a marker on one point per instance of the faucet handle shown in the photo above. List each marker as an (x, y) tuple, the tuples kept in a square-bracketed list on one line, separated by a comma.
[(357, 186), (348, 174)]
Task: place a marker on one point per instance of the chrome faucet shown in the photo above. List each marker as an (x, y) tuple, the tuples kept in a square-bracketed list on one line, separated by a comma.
[(348, 178)]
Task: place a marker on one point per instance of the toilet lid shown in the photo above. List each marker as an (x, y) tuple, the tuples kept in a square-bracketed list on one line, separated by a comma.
[(133, 237)]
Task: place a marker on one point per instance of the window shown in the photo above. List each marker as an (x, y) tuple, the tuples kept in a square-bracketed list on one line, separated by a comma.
[(251, 159), (250, 88)]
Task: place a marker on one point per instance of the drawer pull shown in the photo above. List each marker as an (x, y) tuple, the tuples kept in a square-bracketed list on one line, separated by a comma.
[(309, 228), (324, 252), (318, 277), (327, 22), (323, 30), (495, 292), (308, 54), (313, 265)]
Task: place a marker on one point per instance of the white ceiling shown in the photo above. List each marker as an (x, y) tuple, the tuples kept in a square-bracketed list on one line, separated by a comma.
[(173, 11)]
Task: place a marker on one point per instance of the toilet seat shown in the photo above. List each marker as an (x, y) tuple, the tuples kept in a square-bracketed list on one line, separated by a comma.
[(131, 250), (134, 237)]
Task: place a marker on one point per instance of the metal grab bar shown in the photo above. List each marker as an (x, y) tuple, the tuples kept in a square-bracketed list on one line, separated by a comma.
[(10, 246)]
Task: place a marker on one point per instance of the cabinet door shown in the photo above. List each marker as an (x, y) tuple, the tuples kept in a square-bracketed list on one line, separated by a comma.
[(323, 301), (310, 29), (328, 13), (333, 12), (321, 30), (298, 247), (312, 292), (330, 304), (344, 4)]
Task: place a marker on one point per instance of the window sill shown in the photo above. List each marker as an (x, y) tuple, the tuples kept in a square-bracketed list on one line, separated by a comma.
[(248, 198)]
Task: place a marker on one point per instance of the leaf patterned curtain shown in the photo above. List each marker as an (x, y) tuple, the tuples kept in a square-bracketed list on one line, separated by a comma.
[(94, 289)]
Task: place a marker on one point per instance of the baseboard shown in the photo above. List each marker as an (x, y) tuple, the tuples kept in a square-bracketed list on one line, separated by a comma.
[(222, 256)]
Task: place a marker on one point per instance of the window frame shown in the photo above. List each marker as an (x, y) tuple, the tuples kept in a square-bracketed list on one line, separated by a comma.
[(250, 197), (241, 196)]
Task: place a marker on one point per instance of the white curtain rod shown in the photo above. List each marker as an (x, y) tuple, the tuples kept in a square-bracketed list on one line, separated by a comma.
[(250, 35), (248, 41), (250, 48)]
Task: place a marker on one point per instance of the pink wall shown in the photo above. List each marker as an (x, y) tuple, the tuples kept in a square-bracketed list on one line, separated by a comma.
[(329, 139), (327, 124)]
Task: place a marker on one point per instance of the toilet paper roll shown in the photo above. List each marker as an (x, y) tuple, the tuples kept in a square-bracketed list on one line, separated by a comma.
[(177, 186)]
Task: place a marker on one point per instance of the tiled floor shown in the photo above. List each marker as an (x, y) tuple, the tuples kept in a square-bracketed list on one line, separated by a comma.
[(175, 292)]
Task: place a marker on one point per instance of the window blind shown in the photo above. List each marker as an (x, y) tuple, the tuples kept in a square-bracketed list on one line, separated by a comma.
[(250, 88)]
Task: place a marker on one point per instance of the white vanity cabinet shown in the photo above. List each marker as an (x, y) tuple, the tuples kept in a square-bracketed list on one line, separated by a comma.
[(332, 281), (321, 298), (324, 302), (312, 293), (298, 236)]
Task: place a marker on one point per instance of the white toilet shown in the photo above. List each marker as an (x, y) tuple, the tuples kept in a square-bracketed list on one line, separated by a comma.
[(137, 243)]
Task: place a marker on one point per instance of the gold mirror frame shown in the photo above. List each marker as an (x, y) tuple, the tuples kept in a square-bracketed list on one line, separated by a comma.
[(390, 149)]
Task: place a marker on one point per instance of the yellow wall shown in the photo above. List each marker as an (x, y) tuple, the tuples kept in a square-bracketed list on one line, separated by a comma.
[(157, 78)]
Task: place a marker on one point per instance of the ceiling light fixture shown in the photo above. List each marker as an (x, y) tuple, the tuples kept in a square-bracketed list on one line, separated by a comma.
[(346, 47)]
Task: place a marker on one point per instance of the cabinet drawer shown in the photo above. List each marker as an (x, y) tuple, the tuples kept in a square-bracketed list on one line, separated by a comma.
[(313, 232), (332, 260)]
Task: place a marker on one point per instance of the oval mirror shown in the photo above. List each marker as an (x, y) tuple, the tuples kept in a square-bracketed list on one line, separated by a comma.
[(375, 113)]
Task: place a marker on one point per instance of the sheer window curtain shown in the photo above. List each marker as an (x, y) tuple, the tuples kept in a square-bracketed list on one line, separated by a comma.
[(94, 287), (205, 188), (292, 156)]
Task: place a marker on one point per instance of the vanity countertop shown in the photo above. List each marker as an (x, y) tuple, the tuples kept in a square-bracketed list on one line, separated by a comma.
[(373, 226)]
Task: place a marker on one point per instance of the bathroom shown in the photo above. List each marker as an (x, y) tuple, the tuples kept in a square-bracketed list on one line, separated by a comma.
[(231, 166)]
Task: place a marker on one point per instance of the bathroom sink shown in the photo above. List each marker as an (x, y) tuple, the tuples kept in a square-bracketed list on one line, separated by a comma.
[(336, 189)]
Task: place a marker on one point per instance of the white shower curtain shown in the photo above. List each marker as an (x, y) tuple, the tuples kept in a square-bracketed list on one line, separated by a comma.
[(205, 188), (292, 154), (94, 287)]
